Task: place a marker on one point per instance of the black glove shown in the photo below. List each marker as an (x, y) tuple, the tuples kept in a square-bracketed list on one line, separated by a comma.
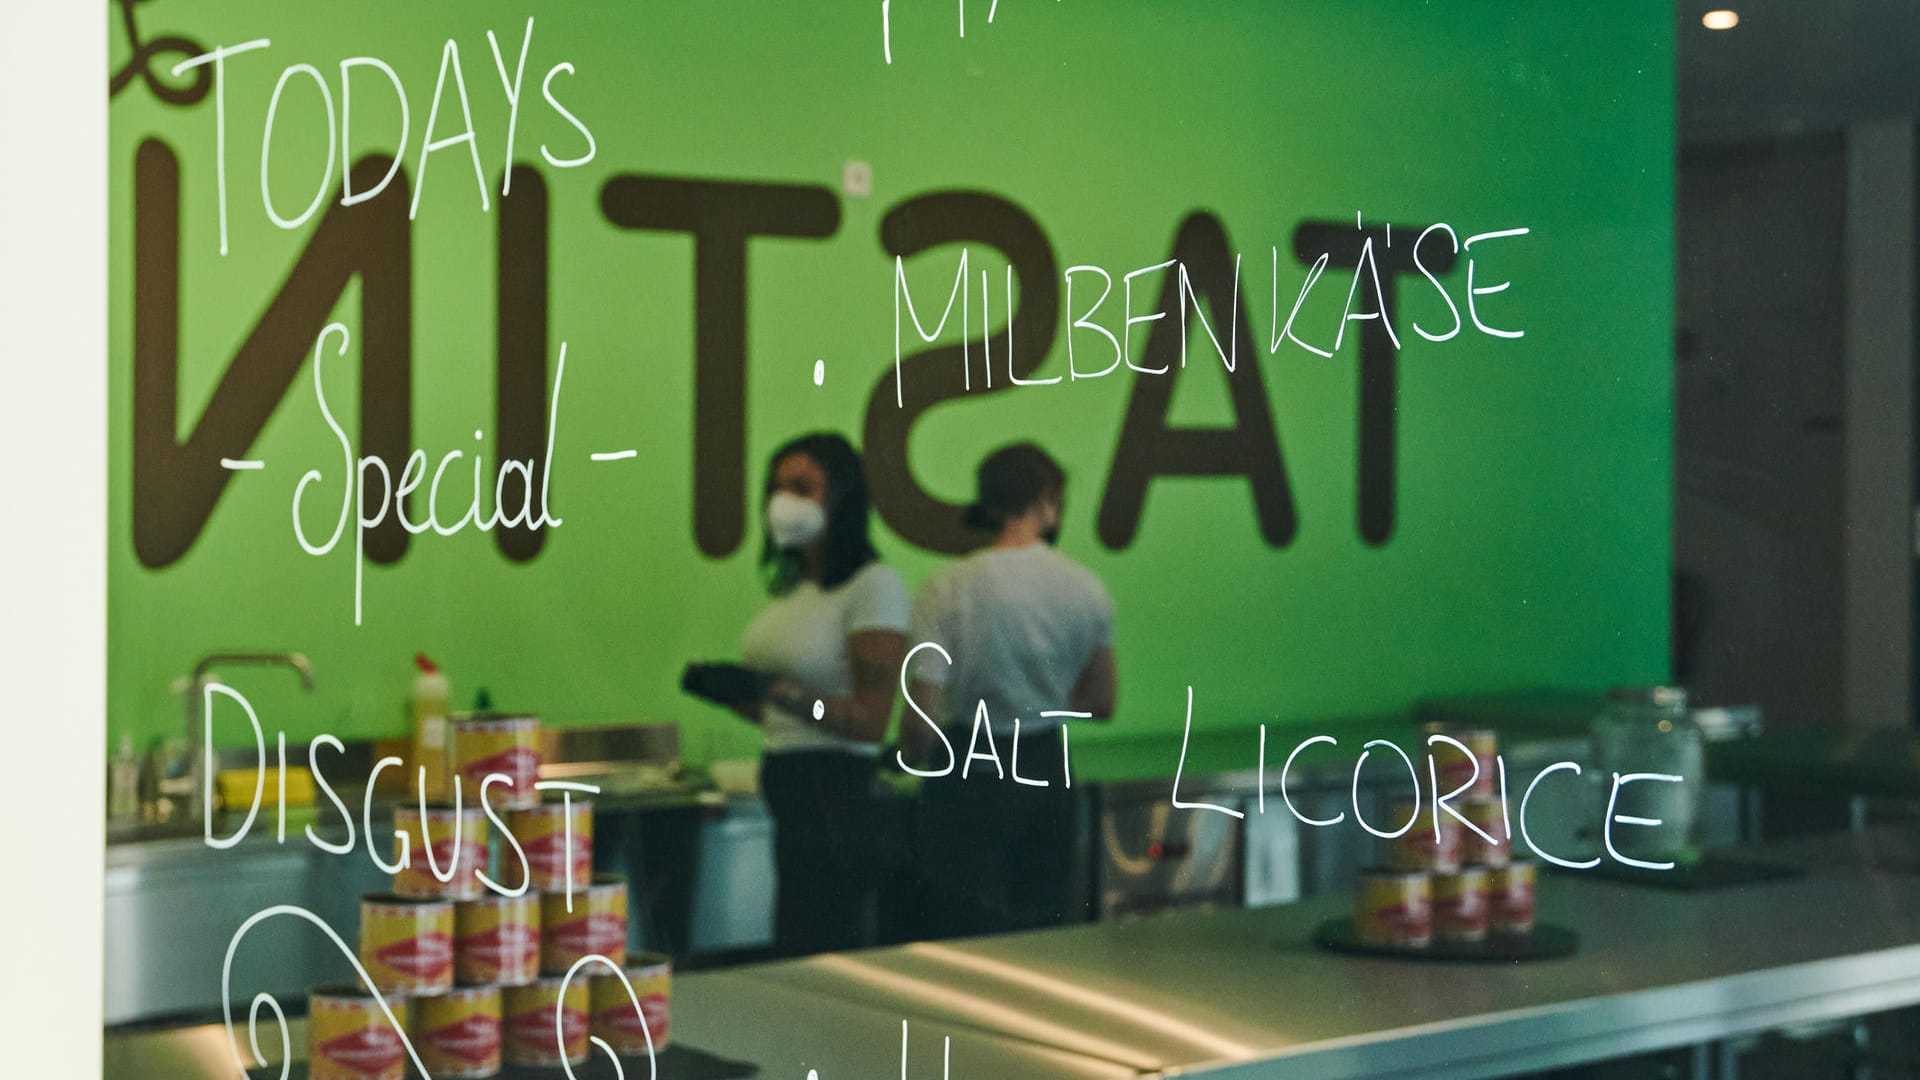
[(725, 684)]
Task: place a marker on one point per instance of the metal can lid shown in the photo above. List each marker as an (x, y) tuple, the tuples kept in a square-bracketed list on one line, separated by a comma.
[(644, 965), (1662, 697), (395, 904), (553, 804), (439, 810), (1391, 872), (342, 992), (549, 984), (602, 885), (466, 994), (490, 899), (648, 962), (495, 722)]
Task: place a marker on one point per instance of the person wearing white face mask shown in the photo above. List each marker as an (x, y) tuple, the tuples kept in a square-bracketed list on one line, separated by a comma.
[(819, 667)]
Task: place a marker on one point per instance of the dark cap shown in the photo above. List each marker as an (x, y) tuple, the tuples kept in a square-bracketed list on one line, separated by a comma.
[(1011, 481)]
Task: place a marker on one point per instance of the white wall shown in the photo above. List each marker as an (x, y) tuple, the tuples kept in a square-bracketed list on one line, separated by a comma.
[(53, 533), (1759, 398), (1878, 524), (1794, 421)]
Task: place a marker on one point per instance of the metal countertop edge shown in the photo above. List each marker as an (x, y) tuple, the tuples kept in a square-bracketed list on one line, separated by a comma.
[(1607, 1026)]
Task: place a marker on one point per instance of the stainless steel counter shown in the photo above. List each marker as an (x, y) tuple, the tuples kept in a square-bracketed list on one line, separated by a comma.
[(735, 1014), (742, 1015), (1244, 994)]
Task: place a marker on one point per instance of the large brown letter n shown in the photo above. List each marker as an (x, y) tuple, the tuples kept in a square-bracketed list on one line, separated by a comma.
[(175, 483)]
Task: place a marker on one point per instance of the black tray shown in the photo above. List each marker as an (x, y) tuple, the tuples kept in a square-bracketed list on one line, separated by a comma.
[(1708, 872), (1545, 943), (676, 1062)]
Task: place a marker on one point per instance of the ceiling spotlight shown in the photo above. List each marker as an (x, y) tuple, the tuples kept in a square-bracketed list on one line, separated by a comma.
[(1720, 19)]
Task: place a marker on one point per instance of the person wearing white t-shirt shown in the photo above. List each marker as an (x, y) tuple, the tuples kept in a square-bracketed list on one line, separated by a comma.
[(818, 671), (1027, 635)]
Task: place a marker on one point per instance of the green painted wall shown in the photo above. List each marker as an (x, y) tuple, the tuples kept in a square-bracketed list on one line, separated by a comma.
[(1531, 541)]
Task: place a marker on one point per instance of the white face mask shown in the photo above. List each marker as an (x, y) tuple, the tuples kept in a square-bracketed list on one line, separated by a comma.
[(794, 522)]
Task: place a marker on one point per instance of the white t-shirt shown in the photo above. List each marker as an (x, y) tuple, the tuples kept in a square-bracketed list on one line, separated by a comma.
[(1021, 625), (803, 636)]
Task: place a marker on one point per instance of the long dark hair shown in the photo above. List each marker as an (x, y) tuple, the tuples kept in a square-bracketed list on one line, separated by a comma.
[(845, 546)]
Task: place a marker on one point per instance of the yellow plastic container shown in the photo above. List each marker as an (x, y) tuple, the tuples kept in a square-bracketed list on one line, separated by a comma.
[(236, 787)]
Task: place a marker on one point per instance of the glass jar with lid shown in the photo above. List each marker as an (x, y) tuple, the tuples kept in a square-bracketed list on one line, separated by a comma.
[(1647, 729)]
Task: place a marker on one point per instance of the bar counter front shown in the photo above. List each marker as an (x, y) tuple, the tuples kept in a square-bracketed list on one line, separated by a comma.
[(1245, 993)]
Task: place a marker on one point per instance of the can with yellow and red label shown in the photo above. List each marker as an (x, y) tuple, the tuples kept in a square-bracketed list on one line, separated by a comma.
[(458, 1032), (594, 924), (459, 850), (1417, 848), (406, 943), (1485, 814), (1460, 904), (557, 837), (1452, 769), (1510, 899), (614, 1020), (530, 1034), (497, 940), (350, 1038), (508, 745), (1394, 908)]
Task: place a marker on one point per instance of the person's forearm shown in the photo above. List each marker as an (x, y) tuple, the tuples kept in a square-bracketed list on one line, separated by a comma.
[(1097, 690), (1094, 696), (1098, 707)]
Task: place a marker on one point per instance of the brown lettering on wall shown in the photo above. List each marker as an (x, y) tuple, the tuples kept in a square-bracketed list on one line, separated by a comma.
[(722, 216), (934, 375), (1149, 448), (520, 398), (176, 484), (1379, 356)]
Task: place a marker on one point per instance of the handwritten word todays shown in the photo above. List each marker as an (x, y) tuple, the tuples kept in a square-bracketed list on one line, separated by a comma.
[(1368, 299), (340, 144)]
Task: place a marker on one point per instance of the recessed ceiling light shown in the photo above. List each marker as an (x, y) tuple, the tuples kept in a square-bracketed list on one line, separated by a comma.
[(1720, 19)]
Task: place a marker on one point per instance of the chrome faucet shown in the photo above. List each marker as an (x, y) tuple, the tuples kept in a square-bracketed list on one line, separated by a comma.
[(197, 782)]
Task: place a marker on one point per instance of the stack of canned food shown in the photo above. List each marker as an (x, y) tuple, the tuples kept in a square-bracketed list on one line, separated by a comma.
[(477, 977), (1456, 887)]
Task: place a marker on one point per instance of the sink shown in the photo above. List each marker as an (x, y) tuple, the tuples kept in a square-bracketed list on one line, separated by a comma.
[(622, 760), (623, 778)]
